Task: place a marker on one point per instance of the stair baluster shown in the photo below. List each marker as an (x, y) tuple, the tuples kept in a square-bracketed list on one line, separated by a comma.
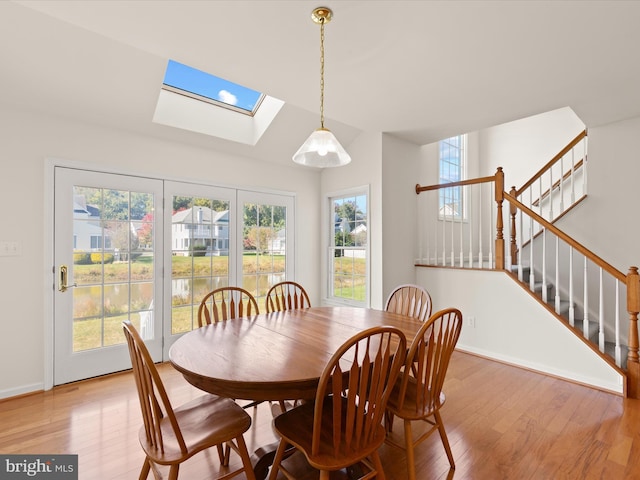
[(601, 314), (585, 302), (618, 348), (562, 184), (572, 308), (557, 284), (544, 266)]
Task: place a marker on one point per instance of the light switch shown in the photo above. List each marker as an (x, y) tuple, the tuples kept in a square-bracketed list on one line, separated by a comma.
[(10, 249)]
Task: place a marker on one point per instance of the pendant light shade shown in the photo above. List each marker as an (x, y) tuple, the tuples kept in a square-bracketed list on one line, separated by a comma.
[(322, 148)]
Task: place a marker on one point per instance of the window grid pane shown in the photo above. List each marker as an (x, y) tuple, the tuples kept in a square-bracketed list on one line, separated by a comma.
[(348, 249), (199, 226), (451, 168)]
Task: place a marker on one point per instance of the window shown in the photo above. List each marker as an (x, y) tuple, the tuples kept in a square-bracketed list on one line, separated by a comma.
[(204, 86), (452, 166), (349, 248)]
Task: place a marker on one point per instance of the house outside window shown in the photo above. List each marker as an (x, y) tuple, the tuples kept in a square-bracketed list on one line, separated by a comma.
[(452, 168), (349, 248)]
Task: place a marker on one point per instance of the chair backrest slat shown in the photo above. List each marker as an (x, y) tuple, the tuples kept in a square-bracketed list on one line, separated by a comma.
[(410, 300), (286, 296), (371, 360), (226, 303)]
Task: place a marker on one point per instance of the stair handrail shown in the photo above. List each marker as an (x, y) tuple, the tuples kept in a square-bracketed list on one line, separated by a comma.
[(552, 162), (573, 243), (460, 183)]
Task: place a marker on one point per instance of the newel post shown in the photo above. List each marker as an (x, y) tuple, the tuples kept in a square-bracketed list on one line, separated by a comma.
[(513, 210), (499, 195), (633, 307)]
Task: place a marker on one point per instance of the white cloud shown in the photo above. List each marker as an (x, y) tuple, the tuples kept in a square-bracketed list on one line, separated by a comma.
[(227, 97)]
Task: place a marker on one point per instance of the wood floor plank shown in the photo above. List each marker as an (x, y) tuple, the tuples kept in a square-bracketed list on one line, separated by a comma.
[(503, 423)]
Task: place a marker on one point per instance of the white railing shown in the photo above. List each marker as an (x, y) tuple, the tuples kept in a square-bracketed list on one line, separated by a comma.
[(470, 234), (461, 233), (587, 292), (559, 184)]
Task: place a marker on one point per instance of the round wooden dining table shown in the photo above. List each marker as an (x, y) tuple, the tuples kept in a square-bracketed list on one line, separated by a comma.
[(275, 356)]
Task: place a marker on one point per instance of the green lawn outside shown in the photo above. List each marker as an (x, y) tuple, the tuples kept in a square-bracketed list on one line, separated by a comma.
[(92, 332)]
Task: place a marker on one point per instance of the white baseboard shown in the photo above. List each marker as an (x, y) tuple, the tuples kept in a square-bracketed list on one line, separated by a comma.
[(14, 392), (546, 370)]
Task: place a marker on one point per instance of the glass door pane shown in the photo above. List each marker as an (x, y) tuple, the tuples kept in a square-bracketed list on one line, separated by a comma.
[(267, 242), (202, 228)]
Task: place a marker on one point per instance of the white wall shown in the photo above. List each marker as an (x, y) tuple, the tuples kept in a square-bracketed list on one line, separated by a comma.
[(400, 162), (511, 327), (522, 147), (30, 138), (607, 221)]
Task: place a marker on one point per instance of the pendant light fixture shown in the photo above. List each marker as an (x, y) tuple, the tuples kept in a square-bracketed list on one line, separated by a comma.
[(322, 149)]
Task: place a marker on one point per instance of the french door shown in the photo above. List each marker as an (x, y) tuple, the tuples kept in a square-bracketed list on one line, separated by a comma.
[(108, 269), (147, 250)]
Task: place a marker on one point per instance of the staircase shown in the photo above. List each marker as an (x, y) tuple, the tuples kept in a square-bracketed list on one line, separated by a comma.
[(517, 232), (563, 311)]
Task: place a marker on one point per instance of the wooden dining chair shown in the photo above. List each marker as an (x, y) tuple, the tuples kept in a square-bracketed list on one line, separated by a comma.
[(282, 296), (170, 436), (411, 300), (417, 393), (286, 296), (225, 303), (344, 425)]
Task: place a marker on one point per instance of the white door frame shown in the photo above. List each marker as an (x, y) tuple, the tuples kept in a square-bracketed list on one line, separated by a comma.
[(49, 274)]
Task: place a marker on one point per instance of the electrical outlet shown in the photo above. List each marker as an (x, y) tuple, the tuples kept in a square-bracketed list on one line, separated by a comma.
[(471, 321)]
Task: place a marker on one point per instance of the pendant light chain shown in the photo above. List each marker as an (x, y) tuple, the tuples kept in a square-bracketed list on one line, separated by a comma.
[(322, 73), (322, 149)]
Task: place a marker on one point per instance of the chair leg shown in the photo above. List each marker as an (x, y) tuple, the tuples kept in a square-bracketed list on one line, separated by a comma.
[(227, 455), (388, 421), (146, 467), (443, 437), (173, 472), (325, 474), (377, 464), (408, 440), (221, 454), (275, 466), (244, 455)]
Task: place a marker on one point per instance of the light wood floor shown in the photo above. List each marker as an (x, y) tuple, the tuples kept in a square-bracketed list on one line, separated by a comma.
[(503, 423)]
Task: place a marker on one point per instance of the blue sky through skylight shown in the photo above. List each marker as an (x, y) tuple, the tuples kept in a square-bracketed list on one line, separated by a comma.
[(209, 86)]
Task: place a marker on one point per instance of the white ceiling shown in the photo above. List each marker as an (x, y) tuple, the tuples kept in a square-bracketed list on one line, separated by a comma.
[(421, 70)]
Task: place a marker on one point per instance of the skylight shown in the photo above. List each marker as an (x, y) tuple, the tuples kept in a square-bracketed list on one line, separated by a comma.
[(184, 79), (200, 102)]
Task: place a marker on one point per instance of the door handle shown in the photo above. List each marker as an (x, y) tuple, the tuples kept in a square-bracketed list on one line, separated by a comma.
[(64, 275)]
